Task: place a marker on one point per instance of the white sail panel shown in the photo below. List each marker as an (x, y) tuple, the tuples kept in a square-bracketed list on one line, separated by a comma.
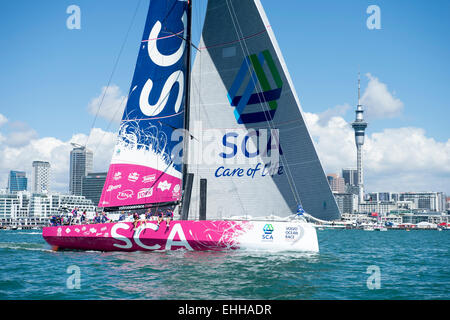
[(243, 103)]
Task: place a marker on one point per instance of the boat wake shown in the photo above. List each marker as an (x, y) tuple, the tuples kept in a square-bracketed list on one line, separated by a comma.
[(24, 246)]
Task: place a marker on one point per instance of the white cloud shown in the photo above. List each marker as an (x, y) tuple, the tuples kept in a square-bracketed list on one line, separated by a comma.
[(378, 102), (109, 105), (57, 152), (400, 159), (339, 110), (3, 120), (19, 133)]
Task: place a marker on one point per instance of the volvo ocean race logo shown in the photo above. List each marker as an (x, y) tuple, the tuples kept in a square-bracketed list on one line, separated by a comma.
[(254, 64), (294, 233), (268, 230)]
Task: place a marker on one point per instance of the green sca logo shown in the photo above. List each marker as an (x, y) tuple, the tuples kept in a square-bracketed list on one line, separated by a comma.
[(267, 236), (265, 95), (268, 229)]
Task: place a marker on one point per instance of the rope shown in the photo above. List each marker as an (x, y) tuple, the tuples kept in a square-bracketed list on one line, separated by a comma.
[(113, 71)]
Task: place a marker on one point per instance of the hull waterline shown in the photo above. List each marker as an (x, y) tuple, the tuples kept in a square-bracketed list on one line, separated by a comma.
[(205, 235)]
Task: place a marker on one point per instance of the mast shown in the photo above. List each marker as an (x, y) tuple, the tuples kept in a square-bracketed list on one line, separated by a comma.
[(187, 88)]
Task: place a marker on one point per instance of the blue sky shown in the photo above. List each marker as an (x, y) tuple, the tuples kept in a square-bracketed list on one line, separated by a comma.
[(49, 73)]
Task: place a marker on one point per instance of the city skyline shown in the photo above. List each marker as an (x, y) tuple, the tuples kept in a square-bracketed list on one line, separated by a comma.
[(407, 146)]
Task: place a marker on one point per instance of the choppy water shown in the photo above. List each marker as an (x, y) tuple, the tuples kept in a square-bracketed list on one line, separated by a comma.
[(413, 265)]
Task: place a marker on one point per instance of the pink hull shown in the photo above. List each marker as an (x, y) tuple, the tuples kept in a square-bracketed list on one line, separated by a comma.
[(120, 236)]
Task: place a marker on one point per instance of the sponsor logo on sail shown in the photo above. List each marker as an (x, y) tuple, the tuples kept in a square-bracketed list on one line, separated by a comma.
[(145, 193), (176, 191), (149, 178), (268, 230), (164, 185), (266, 99), (111, 187), (133, 177), (117, 176), (124, 195)]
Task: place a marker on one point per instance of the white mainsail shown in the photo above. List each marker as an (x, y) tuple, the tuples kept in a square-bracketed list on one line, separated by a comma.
[(244, 108)]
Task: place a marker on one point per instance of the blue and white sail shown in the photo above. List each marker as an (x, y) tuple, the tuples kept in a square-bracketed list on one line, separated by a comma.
[(143, 169), (252, 143)]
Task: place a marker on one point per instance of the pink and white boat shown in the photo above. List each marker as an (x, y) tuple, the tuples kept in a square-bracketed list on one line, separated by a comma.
[(249, 151), (188, 235)]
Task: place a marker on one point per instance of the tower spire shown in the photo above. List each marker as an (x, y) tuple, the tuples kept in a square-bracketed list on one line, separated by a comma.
[(359, 88), (359, 125)]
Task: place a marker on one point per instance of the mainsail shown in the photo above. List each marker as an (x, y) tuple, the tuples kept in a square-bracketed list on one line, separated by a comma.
[(252, 144), (143, 169)]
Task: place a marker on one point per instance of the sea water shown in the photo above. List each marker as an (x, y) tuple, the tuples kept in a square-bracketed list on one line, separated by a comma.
[(352, 264)]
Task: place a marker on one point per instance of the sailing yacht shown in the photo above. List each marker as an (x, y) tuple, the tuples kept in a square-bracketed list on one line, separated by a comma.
[(224, 145)]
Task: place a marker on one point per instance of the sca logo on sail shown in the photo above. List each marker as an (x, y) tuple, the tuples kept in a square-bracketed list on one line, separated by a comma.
[(268, 230), (267, 99)]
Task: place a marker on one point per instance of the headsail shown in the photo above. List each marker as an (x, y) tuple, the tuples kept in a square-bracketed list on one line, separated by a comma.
[(143, 169), (240, 84)]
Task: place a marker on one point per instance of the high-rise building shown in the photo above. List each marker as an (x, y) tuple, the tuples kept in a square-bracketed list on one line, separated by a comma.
[(92, 186), (17, 181), (382, 196), (46, 205), (14, 205), (350, 176), (81, 163), (429, 201), (359, 125), (40, 177), (347, 202), (337, 183)]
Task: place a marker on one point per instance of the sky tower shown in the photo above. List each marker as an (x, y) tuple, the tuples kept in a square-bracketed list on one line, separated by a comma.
[(359, 125)]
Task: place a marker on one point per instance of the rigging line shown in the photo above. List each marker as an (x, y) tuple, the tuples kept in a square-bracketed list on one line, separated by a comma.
[(269, 121), (166, 97), (182, 38), (265, 104), (172, 34), (232, 181), (114, 116), (169, 11), (114, 70), (175, 128), (110, 122), (234, 41)]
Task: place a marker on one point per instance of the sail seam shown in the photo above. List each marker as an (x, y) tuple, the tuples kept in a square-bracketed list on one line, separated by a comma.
[(235, 41), (170, 36), (153, 118)]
